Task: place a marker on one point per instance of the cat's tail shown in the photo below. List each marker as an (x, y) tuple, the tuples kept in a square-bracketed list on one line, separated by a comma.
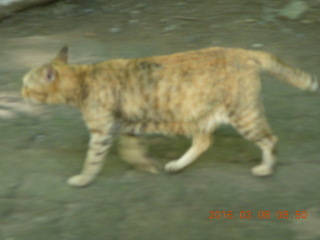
[(280, 70)]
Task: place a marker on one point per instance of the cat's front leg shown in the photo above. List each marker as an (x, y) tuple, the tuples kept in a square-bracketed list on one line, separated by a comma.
[(100, 142)]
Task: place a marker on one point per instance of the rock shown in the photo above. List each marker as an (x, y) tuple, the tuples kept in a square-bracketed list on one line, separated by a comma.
[(39, 138), (8, 7), (293, 10), (257, 45), (133, 21), (307, 21), (115, 29), (170, 28), (134, 12), (88, 10), (140, 6)]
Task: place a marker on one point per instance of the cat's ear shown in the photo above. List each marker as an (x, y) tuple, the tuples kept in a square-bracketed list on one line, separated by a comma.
[(49, 73), (62, 56)]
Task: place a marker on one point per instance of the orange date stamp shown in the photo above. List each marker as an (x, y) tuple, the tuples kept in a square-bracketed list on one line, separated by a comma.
[(216, 215)]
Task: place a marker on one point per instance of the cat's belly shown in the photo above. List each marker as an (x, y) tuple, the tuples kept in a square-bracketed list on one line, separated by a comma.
[(153, 127), (206, 124)]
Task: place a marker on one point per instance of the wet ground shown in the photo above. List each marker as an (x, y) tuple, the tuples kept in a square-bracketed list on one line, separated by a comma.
[(40, 147)]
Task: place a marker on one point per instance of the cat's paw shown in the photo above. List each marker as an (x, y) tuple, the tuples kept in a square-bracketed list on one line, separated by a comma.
[(172, 167), (148, 168), (261, 170), (80, 180)]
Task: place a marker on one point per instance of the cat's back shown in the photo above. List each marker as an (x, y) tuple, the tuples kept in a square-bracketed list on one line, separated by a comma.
[(207, 57), (214, 60)]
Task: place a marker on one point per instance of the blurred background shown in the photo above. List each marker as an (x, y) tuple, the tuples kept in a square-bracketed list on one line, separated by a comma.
[(216, 197)]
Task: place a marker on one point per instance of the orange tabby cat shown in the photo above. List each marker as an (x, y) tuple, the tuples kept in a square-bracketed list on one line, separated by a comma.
[(189, 93)]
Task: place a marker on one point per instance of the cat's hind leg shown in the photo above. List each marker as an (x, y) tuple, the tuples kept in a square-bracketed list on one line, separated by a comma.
[(255, 128), (267, 146), (200, 143), (134, 153)]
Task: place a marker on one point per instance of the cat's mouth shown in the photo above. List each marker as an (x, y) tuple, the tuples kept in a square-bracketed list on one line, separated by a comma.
[(33, 96)]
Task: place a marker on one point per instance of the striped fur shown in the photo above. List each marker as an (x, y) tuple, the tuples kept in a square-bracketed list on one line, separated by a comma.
[(188, 94)]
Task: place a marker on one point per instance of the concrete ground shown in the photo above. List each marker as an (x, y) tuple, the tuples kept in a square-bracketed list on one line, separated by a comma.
[(41, 146)]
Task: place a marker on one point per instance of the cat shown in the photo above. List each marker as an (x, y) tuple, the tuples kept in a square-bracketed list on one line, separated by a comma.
[(189, 93)]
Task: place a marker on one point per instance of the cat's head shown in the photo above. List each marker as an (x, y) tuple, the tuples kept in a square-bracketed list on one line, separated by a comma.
[(43, 84)]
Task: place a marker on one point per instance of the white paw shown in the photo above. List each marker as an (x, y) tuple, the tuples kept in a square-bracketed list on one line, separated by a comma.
[(172, 167), (79, 180), (261, 170)]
